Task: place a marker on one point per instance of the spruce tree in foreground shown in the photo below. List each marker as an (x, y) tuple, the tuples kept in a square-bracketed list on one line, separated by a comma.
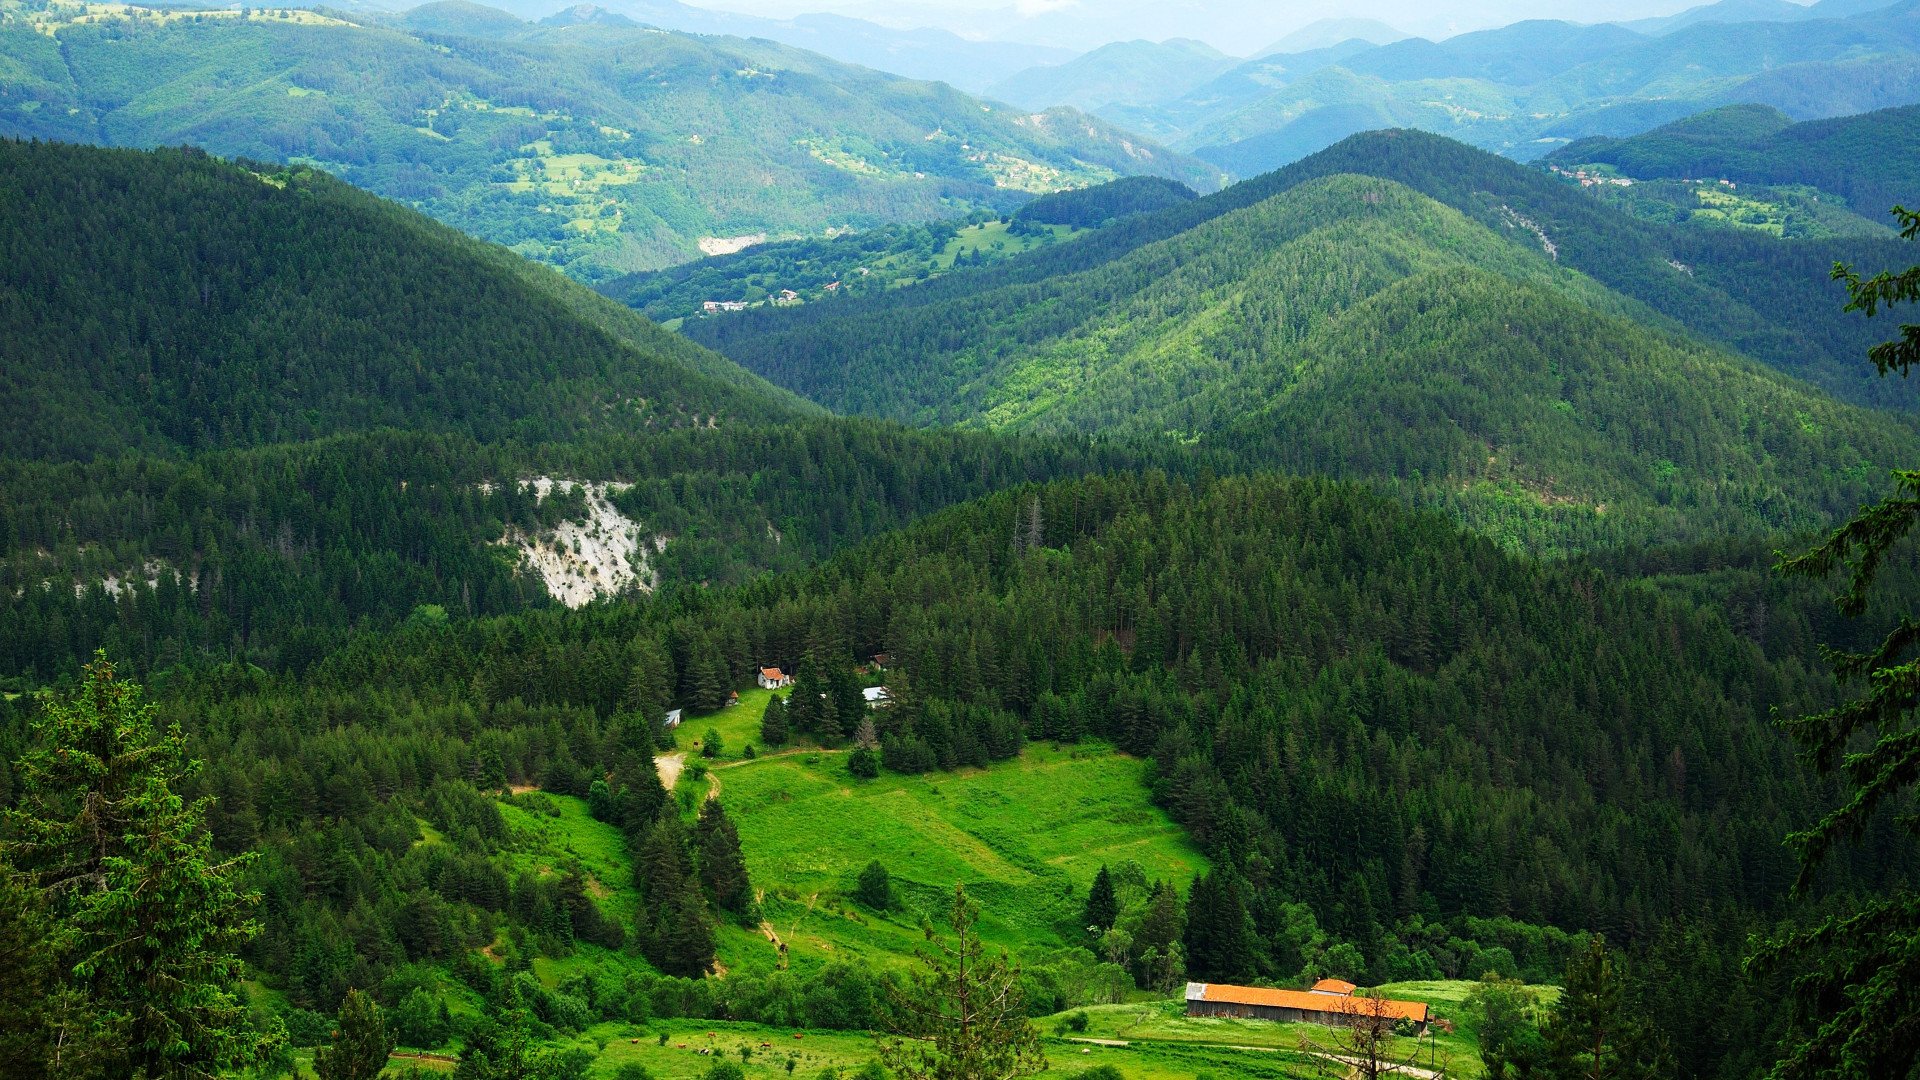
[(962, 1016), (1856, 976), (145, 918)]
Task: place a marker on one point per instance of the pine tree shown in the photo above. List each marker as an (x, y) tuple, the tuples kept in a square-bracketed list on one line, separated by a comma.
[(723, 870), (808, 703), (874, 887), (686, 935), (361, 1042), (1220, 941), (649, 687), (711, 683), (774, 730), (145, 915), (1593, 1034), (1102, 907), (1855, 1013)]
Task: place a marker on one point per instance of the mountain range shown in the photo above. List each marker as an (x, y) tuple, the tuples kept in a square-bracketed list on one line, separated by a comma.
[(1527, 88), (1359, 571), (594, 146)]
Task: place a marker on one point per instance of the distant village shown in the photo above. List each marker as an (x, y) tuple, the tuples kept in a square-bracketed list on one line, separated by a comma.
[(1589, 178), (782, 298)]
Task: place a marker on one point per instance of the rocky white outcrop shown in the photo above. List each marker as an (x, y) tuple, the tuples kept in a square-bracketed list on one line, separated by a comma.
[(581, 560)]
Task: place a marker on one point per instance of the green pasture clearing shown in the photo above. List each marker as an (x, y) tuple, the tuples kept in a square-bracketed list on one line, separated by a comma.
[(1025, 836), (814, 1052), (544, 843), (738, 725), (993, 240)]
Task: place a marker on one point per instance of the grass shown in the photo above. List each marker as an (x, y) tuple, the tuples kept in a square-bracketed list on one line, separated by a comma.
[(738, 726), (993, 240), (544, 844), (814, 1052), (1026, 837)]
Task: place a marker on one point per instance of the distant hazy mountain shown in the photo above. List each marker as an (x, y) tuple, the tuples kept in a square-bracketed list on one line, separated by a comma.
[(1322, 33), (918, 54), (1124, 73), (954, 347), (1486, 326), (599, 147), (1731, 11), (1527, 88)]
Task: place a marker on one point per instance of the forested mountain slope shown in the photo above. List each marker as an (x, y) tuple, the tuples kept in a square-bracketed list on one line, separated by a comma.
[(1871, 160), (1770, 300), (272, 554), (1351, 325), (1533, 747), (598, 147), (167, 301)]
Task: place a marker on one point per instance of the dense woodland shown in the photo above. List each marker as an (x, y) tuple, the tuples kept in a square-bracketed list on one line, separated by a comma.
[(1296, 658), (170, 301)]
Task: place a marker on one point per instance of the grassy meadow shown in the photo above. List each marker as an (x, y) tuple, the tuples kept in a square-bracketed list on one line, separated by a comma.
[(1025, 836)]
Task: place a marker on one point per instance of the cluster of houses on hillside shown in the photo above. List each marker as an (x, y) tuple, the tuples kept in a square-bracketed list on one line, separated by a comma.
[(1592, 179), (1330, 1001), (773, 678)]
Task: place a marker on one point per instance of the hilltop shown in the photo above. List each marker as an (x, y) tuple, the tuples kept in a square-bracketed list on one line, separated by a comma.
[(167, 301), (597, 147)]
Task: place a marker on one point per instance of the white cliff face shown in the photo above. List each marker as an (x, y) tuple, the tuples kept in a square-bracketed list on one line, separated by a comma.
[(583, 559)]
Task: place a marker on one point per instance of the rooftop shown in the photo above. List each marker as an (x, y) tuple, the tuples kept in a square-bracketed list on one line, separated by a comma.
[(1303, 1000)]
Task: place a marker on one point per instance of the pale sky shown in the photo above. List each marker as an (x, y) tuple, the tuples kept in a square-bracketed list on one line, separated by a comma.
[(1251, 23)]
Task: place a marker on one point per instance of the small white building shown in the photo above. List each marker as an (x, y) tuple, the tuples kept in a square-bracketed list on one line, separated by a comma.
[(673, 718), (877, 696), (772, 678)]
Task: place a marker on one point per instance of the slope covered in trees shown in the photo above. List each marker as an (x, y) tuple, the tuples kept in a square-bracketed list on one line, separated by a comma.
[(1530, 747), (273, 554), (167, 301), (601, 148), (1871, 160), (1769, 300), (1349, 325)]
